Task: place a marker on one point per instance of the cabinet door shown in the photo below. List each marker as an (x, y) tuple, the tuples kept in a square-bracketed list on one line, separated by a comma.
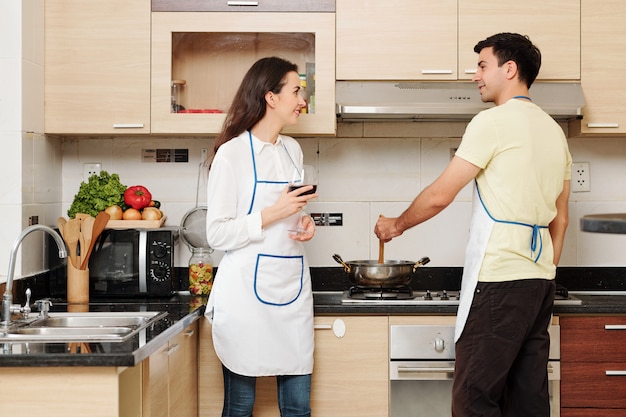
[(183, 373), (211, 52), (396, 40), (351, 373), (155, 396), (603, 78), (553, 25), (97, 70)]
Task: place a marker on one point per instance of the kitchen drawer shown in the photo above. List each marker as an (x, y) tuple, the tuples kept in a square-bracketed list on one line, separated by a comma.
[(593, 384), (593, 339), (592, 412)]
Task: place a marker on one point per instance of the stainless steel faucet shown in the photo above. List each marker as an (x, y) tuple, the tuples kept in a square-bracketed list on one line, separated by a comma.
[(7, 298)]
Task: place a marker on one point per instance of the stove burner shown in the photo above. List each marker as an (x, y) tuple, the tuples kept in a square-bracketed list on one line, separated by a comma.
[(368, 293)]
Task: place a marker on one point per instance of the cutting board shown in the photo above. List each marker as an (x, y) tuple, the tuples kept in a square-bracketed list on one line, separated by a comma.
[(135, 224)]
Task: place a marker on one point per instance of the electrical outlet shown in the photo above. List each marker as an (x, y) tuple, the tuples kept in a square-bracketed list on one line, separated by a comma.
[(91, 169), (580, 177)]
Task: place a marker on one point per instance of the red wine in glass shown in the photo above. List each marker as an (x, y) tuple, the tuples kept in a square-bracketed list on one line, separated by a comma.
[(295, 187)]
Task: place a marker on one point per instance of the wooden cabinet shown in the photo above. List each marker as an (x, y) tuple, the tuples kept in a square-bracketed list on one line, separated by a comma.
[(170, 377), (97, 69), (71, 391), (554, 26), (425, 40), (593, 366), (396, 40), (351, 373), (351, 359), (603, 68), (211, 52)]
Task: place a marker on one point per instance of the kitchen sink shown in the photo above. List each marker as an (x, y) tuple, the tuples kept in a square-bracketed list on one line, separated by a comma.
[(81, 327)]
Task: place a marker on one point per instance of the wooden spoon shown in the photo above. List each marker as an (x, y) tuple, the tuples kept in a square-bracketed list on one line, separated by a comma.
[(72, 235), (381, 252), (98, 226), (61, 221), (86, 233)]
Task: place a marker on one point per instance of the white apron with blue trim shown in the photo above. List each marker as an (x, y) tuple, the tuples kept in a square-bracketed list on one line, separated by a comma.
[(480, 229), (263, 317)]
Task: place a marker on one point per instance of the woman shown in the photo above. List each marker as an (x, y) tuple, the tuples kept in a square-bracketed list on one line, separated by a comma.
[(261, 304)]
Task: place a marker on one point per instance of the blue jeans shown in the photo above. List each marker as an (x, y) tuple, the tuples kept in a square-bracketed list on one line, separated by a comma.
[(294, 394)]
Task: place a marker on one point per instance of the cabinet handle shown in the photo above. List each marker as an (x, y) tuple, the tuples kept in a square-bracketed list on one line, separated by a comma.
[(242, 3), (470, 71), (128, 125), (598, 125), (615, 327), (615, 373), (190, 333), (322, 326), (338, 327), (425, 370), (436, 71), (172, 349)]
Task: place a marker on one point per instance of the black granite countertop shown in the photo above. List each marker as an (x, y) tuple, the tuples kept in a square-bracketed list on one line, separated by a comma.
[(600, 289), (329, 303), (182, 310)]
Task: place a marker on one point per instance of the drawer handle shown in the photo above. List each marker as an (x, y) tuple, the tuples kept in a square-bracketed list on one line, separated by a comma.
[(615, 327), (242, 3), (338, 327), (323, 327), (128, 126), (600, 125), (424, 370), (190, 333), (436, 71), (615, 373), (172, 349)]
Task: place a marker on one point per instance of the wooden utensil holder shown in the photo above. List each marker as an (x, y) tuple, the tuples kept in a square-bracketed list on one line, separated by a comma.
[(77, 285)]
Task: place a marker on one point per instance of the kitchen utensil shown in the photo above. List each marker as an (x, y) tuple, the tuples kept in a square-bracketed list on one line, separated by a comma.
[(381, 252), (61, 221), (193, 229), (72, 235), (86, 233), (99, 224), (389, 274)]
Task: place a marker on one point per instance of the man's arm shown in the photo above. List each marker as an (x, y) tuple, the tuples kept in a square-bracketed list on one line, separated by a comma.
[(558, 225)]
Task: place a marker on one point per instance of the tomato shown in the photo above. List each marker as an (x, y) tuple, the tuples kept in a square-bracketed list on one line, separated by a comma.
[(137, 197)]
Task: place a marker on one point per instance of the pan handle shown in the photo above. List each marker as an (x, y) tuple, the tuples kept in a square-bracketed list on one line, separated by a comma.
[(340, 261), (421, 262)]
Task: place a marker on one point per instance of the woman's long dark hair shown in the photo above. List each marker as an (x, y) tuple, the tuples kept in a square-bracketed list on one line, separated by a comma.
[(248, 106)]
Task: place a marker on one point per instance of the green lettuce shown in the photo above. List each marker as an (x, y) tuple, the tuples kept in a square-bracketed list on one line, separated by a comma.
[(99, 192)]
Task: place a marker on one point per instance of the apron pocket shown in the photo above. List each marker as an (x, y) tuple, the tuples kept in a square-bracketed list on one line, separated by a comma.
[(278, 279)]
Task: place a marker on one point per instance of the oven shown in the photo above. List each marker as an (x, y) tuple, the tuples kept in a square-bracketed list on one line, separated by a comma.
[(421, 350), (421, 366)]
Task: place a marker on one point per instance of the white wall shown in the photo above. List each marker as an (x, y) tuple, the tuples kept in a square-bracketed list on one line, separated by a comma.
[(31, 163), (369, 169)]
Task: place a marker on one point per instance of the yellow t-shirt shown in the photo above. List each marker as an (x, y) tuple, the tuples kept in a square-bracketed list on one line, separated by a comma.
[(524, 158)]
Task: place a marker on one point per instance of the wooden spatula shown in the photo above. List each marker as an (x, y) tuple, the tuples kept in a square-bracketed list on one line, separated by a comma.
[(71, 232), (86, 230), (381, 252), (98, 226)]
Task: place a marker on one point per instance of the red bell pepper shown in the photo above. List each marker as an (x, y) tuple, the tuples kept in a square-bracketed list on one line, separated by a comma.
[(137, 196)]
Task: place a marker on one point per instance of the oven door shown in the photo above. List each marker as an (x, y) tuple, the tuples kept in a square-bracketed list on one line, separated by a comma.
[(421, 388), (424, 388)]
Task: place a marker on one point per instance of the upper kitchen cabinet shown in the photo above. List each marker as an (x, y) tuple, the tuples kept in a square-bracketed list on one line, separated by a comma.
[(427, 40), (603, 69), (552, 25), (199, 58), (97, 67), (396, 40)]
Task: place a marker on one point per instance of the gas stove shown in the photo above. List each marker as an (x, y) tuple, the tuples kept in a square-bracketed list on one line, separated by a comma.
[(408, 296)]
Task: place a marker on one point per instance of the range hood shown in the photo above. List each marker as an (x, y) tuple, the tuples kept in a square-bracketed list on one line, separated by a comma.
[(454, 100)]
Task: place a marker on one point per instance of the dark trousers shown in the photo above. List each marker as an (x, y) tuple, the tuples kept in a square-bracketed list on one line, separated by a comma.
[(502, 354)]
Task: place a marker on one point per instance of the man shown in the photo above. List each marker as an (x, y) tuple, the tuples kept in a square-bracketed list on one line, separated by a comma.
[(518, 158)]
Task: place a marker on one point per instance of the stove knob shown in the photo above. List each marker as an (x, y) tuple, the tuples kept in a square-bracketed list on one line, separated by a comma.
[(439, 345)]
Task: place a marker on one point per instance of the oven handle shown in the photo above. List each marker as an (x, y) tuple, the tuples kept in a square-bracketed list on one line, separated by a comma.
[(447, 370)]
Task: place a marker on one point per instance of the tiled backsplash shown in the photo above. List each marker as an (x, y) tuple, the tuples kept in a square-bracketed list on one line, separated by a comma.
[(363, 176)]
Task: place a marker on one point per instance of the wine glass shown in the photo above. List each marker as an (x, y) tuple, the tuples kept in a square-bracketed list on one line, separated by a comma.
[(308, 176)]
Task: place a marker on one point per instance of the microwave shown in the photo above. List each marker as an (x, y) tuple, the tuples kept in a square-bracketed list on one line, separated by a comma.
[(133, 263)]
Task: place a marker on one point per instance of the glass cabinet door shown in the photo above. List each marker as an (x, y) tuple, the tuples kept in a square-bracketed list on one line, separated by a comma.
[(199, 60)]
